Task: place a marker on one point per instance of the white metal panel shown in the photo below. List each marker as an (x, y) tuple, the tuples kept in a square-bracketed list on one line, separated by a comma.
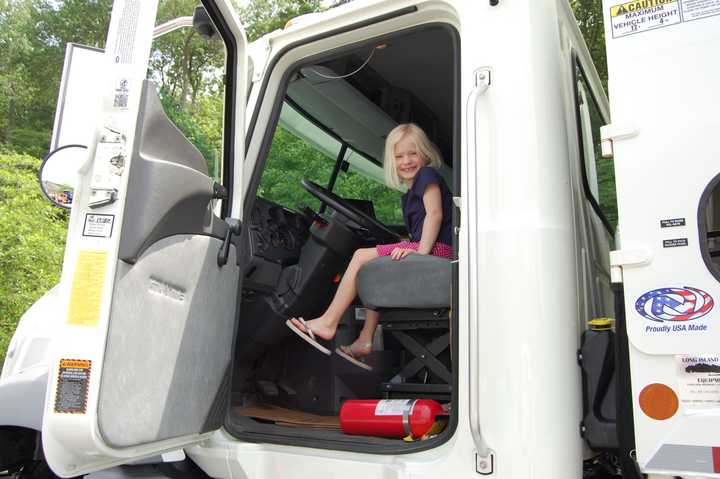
[(72, 442), (663, 78), (79, 98), (517, 327)]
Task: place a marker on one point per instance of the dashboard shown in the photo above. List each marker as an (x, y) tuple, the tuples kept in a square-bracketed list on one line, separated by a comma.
[(275, 237)]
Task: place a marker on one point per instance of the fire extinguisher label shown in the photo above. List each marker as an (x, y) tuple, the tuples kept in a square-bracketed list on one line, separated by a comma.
[(394, 407)]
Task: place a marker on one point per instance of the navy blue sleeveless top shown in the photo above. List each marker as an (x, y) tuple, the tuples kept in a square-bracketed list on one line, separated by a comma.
[(414, 209)]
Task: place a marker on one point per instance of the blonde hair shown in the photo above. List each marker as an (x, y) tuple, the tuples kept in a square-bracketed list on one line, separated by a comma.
[(428, 151)]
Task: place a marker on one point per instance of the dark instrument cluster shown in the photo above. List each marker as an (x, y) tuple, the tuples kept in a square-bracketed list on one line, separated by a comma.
[(276, 234)]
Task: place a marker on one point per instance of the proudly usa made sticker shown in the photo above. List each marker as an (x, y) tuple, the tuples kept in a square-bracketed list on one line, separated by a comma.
[(674, 306)]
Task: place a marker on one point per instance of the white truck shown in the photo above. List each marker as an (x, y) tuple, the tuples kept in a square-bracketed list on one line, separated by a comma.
[(165, 338)]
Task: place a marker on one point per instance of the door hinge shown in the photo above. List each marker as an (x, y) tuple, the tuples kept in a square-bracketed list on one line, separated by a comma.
[(485, 465), (102, 197), (624, 258), (610, 133)]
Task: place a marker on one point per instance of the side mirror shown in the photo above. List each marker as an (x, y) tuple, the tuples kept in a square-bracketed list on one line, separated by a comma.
[(58, 174), (203, 24)]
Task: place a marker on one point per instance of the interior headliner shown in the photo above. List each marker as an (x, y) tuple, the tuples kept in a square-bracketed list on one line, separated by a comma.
[(408, 78)]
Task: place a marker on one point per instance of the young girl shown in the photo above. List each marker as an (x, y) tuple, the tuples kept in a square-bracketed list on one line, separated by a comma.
[(410, 158)]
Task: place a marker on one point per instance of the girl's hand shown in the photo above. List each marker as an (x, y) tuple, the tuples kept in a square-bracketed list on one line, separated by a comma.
[(399, 253)]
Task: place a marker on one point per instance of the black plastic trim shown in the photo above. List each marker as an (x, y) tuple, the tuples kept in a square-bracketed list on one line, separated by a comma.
[(576, 64), (229, 125), (356, 445), (702, 227), (623, 391)]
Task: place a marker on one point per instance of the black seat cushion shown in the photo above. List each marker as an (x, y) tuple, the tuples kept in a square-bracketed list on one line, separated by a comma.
[(416, 282)]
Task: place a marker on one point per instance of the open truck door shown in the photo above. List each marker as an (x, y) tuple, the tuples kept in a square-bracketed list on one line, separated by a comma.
[(663, 78), (142, 359)]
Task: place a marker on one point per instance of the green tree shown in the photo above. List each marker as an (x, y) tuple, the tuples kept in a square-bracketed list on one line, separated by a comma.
[(32, 240), (589, 17), (33, 36), (264, 16)]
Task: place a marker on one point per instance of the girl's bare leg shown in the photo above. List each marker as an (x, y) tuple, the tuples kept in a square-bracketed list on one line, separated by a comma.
[(372, 318), (362, 346), (326, 325)]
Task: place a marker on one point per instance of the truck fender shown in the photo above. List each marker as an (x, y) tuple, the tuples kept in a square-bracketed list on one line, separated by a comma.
[(22, 400)]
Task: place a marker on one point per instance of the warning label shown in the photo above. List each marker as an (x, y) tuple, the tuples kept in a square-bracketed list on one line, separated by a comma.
[(72, 389), (673, 222), (675, 242), (696, 9), (100, 226), (643, 15), (699, 378), (87, 289), (394, 407)]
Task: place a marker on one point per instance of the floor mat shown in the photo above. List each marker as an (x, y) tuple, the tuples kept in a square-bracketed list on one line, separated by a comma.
[(288, 417)]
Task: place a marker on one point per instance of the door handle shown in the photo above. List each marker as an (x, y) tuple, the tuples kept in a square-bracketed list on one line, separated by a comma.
[(234, 227)]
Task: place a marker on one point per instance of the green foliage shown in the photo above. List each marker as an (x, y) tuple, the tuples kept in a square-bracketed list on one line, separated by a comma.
[(33, 36), (187, 123), (291, 159), (263, 16), (32, 241), (589, 16), (606, 189), (386, 201)]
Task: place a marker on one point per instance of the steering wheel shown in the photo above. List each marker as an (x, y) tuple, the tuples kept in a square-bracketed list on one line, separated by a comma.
[(345, 208)]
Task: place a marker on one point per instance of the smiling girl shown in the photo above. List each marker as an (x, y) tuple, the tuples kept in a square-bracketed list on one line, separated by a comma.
[(410, 159)]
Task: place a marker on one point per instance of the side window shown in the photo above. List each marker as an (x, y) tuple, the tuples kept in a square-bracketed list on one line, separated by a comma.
[(386, 201), (599, 172), (300, 150), (189, 72), (293, 158)]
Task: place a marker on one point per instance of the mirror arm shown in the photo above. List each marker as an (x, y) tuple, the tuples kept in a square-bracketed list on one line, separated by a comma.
[(171, 26)]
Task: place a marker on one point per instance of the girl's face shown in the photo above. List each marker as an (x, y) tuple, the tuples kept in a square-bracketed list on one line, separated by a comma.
[(408, 159)]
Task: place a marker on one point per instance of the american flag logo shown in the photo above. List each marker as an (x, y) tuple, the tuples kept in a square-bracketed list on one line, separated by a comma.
[(674, 304)]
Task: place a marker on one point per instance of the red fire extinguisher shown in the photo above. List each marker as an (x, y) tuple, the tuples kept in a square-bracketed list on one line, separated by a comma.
[(400, 418)]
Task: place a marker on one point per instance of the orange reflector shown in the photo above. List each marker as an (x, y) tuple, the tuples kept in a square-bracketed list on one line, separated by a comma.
[(382, 46), (658, 401), (337, 278)]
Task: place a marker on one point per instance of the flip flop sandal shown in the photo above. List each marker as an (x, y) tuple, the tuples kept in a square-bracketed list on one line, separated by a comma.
[(346, 353), (308, 336)]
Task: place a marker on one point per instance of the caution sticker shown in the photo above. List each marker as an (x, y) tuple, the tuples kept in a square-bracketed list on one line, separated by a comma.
[(643, 15), (87, 288), (72, 390), (699, 378)]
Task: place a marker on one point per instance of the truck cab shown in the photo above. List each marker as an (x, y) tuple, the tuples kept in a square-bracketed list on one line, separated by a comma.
[(167, 329)]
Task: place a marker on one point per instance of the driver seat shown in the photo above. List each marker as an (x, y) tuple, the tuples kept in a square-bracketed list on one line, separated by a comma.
[(413, 298)]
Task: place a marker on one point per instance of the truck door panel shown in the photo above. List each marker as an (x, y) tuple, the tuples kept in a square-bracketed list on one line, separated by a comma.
[(159, 297), (163, 159)]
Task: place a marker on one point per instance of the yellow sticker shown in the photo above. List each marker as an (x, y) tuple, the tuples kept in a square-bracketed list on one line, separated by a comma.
[(636, 6), (87, 288)]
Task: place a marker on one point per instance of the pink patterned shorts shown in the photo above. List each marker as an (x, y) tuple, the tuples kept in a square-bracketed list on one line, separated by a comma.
[(439, 249)]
